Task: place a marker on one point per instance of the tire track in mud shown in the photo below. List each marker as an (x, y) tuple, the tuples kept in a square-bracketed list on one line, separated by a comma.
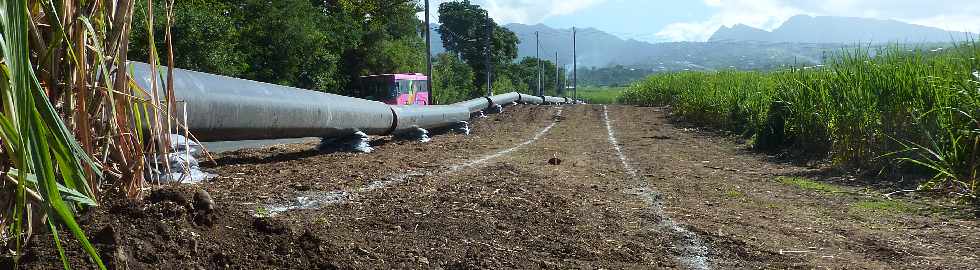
[(320, 199), (475, 162), (694, 253)]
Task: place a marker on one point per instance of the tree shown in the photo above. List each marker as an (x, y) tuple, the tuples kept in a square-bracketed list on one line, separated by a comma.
[(464, 31), (611, 76), (205, 32), (323, 45), (504, 84), (389, 40), (452, 80), (526, 71)]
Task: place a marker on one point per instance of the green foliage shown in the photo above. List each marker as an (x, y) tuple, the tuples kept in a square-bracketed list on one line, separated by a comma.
[(385, 34), (893, 108), (452, 80), (320, 45), (734, 194), (42, 155), (600, 95), (525, 72), (464, 31), (503, 83), (808, 184), (206, 33), (617, 75)]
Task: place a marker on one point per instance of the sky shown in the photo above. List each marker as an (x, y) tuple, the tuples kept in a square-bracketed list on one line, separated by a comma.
[(696, 20)]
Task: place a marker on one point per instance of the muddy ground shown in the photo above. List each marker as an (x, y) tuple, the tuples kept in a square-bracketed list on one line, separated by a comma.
[(534, 187)]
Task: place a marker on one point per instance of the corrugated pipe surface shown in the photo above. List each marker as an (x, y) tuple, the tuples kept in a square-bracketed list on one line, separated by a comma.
[(221, 108)]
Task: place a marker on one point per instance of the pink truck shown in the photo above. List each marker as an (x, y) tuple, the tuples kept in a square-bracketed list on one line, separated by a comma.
[(396, 89)]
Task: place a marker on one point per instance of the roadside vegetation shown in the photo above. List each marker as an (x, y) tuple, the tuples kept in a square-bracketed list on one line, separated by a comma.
[(66, 126), (893, 110), (600, 94), (327, 45)]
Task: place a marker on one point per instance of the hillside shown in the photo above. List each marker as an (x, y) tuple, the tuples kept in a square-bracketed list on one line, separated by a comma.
[(600, 49), (827, 29), (801, 40)]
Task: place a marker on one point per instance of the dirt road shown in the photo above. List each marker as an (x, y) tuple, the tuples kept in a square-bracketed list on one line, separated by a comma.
[(575, 187)]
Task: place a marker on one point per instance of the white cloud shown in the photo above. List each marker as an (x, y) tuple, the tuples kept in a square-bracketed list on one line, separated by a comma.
[(957, 15), (524, 11)]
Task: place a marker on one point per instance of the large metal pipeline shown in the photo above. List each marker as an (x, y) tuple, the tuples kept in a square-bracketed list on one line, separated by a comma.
[(554, 100), (505, 99), (221, 108), (529, 99), (474, 105), (409, 118)]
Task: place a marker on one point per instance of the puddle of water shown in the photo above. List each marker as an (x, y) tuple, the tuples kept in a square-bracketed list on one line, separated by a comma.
[(694, 252)]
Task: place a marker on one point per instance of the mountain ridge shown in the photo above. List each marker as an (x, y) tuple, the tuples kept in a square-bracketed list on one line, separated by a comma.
[(832, 29), (762, 50)]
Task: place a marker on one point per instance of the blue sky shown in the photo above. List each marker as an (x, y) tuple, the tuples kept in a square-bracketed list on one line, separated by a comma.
[(696, 20), (640, 20)]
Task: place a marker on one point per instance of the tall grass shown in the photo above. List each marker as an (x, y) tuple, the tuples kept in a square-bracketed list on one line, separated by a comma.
[(599, 94), (891, 108), (69, 122)]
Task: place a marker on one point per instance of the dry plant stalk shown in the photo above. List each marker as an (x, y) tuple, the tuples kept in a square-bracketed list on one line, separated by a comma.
[(76, 128)]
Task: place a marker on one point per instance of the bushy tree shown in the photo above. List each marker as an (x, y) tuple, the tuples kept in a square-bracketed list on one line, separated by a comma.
[(464, 31), (316, 44), (206, 36), (389, 39), (526, 73), (452, 80)]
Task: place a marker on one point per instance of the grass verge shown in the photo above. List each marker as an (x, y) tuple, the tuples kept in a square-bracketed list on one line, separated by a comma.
[(807, 184), (896, 109)]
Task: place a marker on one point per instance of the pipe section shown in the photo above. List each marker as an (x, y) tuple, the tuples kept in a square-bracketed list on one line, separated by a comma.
[(505, 99), (474, 105), (412, 117), (529, 99), (222, 108), (553, 100)]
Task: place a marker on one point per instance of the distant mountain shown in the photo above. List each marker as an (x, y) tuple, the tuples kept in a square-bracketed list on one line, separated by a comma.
[(741, 32), (600, 49), (848, 30), (739, 47), (594, 46)]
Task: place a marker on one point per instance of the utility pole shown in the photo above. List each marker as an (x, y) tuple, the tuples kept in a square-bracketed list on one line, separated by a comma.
[(557, 75), (574, 66), (428, 53), (537, 55), (489, 54)]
